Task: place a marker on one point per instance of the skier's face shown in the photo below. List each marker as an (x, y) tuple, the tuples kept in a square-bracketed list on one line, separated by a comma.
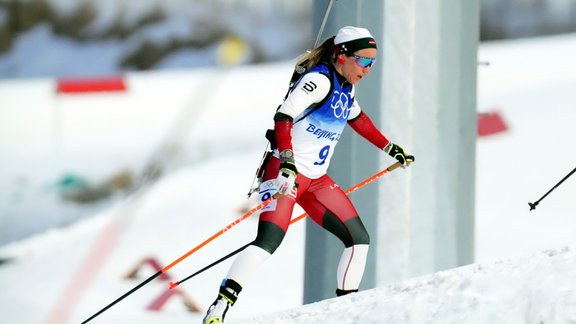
[(357, 65)]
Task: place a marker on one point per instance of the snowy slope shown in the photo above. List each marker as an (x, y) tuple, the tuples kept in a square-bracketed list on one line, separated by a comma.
[(539, 288), (529, 82)]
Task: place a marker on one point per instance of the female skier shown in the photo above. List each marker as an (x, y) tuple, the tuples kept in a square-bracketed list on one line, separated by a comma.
[(307, 126)]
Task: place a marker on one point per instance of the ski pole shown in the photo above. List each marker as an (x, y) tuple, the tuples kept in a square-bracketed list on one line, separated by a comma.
[(534, 204), (347, 192), (184, 256), (217, 234), (360, 185), (176, 284), (326, 14)]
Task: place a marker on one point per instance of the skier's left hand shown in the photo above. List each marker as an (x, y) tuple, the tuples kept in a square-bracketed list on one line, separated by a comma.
[(397, 152), (286, 179)]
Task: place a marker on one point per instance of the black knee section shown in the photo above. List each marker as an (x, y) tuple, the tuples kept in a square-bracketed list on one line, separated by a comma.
[(357, 231), (269, 236), (350, 232)]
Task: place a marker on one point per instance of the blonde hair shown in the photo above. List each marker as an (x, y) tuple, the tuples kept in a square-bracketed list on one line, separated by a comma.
[(323, 53)]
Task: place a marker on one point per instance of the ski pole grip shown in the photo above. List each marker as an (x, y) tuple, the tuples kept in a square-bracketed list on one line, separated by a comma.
[(395, 166)]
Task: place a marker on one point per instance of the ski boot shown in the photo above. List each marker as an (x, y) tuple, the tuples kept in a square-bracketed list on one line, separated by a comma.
[(340, 292), (227, 296)]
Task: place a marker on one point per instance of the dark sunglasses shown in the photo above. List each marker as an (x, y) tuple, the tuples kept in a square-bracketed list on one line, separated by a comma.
[(363, 61)]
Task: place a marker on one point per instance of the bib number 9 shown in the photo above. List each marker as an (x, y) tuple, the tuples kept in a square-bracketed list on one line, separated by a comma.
[(323, 155)]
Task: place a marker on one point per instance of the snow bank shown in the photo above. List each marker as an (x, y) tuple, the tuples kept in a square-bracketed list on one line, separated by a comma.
[(536, 289)]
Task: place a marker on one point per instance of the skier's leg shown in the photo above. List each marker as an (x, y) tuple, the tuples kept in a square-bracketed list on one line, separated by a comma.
[(351, 268), (329, 207), (272, 228), (273, 224), (271, 231), (227, 295)]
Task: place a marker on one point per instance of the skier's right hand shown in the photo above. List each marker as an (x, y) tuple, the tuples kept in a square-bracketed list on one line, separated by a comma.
[(397, 152), (286, 179)]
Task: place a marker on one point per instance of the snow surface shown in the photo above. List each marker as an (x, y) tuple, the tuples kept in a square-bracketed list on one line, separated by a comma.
[(540, 288), (526, 260)]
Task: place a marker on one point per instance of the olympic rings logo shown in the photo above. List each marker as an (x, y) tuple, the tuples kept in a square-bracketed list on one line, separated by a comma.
[(340, 105)]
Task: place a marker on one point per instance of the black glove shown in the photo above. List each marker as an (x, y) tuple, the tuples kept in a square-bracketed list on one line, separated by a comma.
[(397, 152), (286, 179)]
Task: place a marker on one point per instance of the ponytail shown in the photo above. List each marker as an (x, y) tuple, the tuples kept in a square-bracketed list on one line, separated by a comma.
[(323, 53)]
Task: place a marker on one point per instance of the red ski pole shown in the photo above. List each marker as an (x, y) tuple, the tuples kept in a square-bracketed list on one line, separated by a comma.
[(347, 192), (184, 256), (359, 185)]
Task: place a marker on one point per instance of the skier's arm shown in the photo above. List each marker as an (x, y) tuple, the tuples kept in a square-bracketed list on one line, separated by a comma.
[(310, 90), (362, 124), (286, 179)]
